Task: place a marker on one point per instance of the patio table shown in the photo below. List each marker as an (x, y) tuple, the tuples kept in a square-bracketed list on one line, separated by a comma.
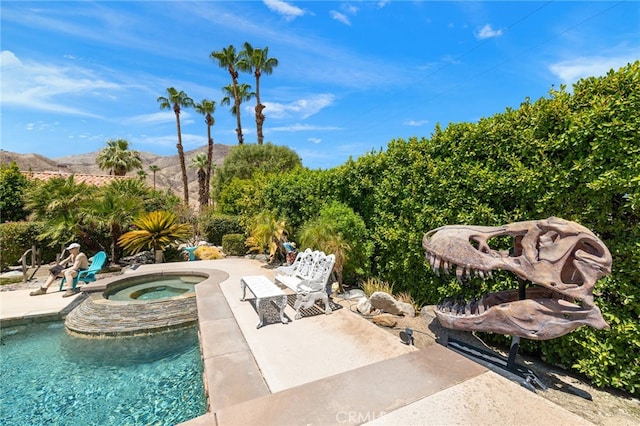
[(265, 291)]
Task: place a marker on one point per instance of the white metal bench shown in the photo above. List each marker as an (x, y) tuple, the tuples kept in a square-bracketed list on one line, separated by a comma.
[(308, 277), (265, 291)]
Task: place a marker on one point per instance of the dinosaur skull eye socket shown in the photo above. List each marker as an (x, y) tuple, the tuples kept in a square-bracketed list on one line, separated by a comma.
[(590, 248)]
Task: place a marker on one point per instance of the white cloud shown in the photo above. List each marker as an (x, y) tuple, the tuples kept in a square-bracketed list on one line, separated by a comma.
[(38, 86), (153, 118), (350, 9), (315, 141), (340, 17), (488, 32), (8, 59), (572, 70), (283, 8), (40, 126), (416, 123), (303, 108)]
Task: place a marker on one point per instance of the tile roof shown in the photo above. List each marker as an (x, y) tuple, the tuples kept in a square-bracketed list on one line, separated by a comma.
[(95, 180)]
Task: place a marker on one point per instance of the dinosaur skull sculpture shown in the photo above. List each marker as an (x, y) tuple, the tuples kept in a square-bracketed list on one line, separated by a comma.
[(562, 258)]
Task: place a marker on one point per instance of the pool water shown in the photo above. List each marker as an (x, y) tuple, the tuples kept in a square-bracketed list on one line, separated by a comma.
[(156, 289), (50, 377)]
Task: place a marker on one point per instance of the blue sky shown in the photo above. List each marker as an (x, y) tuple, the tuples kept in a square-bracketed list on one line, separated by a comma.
[(351, 77)]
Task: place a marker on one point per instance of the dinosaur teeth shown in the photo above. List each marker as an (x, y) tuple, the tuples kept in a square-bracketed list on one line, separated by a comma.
[(436, 264), (460, 307)]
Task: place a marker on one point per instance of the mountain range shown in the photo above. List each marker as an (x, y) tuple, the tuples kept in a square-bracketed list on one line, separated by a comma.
[(168, 177)]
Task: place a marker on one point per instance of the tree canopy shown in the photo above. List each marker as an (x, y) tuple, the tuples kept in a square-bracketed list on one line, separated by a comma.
[(117, 158)]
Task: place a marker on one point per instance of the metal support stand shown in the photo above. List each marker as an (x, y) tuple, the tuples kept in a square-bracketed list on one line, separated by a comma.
[(499, 364)]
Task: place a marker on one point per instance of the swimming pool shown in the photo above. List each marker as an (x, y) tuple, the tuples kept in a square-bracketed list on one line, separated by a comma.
[(48, 376)]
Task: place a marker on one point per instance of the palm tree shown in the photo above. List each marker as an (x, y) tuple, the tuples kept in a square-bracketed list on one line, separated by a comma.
[(142, 175), (176, 100), (320, 234), (228, 58), (156, 230), (207, 108), (117, 158), (258, 62), (154, 169), (243, 93), (55, 204), (114, 207), (200, 163)]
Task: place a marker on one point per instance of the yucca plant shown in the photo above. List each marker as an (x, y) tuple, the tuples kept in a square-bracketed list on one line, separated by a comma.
[(267, 231), (156, 230)]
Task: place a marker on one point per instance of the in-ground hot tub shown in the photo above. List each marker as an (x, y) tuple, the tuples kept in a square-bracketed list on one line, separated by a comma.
[(141, 303), (152, 287)]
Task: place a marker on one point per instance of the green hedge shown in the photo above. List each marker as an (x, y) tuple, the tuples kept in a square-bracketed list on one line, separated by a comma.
[(214, 227), (233, 245)]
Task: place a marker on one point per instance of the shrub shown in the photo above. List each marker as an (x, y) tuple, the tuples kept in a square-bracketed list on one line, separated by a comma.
[(18, 237), (214, 227), (207, 253), (12, 186), (233, 244)]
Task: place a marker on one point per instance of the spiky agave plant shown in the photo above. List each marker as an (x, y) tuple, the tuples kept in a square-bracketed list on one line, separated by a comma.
[(156, 230)]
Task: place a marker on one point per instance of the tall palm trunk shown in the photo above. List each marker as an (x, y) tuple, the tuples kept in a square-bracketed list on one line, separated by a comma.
[(116, 231), (183, 166), (202, 188), (236, 99), (209, 158), (258, 109)]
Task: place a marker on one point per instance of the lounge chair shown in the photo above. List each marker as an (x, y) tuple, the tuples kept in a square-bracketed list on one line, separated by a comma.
[(88, 275)]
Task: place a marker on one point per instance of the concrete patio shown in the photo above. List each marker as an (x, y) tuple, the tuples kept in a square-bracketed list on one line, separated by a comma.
[(323, 369)]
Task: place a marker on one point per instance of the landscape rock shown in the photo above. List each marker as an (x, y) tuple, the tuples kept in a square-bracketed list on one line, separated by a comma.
[(385, 320), (408, 310), (355, 293), (142, 258), (364, 306), (385, 302)]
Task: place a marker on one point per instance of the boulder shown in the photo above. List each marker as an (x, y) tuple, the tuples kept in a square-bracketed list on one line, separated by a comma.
[(409, 311), (385, 302), (385, 320), (364, 306), (355, 293)]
